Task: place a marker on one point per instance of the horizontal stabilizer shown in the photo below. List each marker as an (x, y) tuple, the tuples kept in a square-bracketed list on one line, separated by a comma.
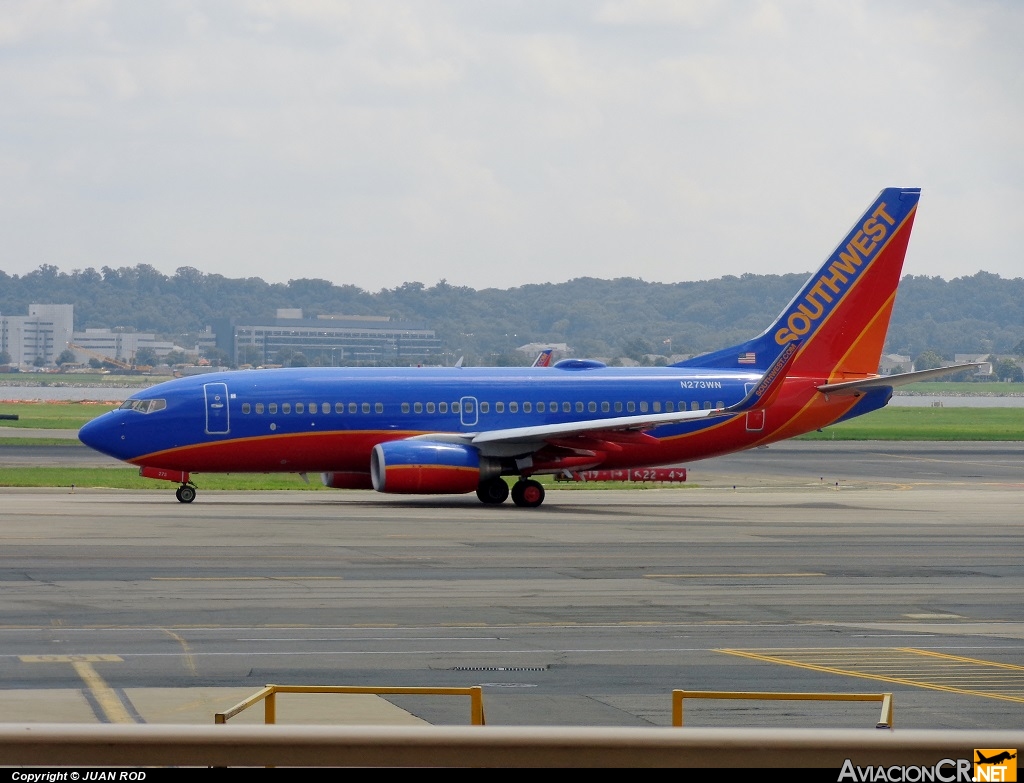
[(900, 379)]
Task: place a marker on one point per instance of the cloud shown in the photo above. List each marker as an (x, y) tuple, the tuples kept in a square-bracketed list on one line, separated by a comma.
[(499, 144)]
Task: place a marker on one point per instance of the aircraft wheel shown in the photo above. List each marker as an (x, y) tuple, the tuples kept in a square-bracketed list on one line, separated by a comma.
[(493, 491), (527, 493), (185, 494)]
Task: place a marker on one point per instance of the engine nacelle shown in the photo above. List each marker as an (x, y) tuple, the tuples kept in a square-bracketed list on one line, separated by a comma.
[(421, 467), (347, 479)]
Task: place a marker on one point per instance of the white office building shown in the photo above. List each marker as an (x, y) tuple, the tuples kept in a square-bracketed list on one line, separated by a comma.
[(37, 339)]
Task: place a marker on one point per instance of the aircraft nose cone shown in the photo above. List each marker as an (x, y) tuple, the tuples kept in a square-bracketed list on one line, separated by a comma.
[(101, 434)]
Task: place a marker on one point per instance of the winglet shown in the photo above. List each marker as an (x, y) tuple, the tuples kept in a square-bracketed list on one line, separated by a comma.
[(771, 382)]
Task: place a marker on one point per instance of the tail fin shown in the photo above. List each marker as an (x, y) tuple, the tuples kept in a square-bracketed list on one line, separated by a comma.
[(543, 358), (841, 315)]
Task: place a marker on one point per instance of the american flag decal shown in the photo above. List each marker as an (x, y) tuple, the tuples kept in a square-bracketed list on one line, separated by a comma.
[(747, 358)]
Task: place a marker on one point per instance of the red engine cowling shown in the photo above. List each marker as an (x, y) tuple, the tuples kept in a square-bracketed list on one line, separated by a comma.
[(348, 479), (422, 467)]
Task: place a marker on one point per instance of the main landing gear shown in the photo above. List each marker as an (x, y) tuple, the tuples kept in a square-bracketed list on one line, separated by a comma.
[(186, 493), (527, 493), (493, 491)]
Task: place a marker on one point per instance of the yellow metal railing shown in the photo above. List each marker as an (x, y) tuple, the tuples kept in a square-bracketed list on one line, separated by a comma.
[(884, 721), (268, 695)]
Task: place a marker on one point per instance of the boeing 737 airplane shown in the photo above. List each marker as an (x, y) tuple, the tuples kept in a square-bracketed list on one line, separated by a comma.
[(421, 430)]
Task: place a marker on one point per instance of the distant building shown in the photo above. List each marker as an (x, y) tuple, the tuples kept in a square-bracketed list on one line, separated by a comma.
[(985, 360), (117, 344), (891, 363), (330, 340), (559, 350), (38, 338)]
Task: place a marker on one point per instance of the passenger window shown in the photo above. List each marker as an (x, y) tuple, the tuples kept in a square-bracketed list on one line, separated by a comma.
[(694, 406), (643, 406), (499, 407), (299, 407), (631, 406), (455, 407), (670, 406), (592, 407), (430, 407), (378, 407), (566, 407), (312, 407), (618, 407), (259, 407), (707, 406), (605, 407), (353, 408), (325, 407), (405, 407), (418, 407), (272, 407), (513, 407), (719, 404), (527, 407), (657, 407), (442, 407), (339, 407), (579, 407), (540, 407), (286, 407), (246, 408), (366, 407), (553, 407), (485, 407)]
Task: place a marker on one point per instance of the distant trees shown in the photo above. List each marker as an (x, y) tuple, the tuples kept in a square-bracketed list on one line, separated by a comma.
[(929, 360), (146, 355), (1008, 370), (624, 317)]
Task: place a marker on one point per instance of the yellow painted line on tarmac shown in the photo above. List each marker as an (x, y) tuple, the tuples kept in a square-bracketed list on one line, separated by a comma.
[(905, 666), (105, 697), (189, 662)]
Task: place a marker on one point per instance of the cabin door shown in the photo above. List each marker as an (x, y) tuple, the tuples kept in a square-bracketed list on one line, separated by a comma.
[(467, 410), (216, 408)]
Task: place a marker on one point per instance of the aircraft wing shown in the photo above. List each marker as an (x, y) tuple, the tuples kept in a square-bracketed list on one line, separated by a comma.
[(900, 379), (760, 396)]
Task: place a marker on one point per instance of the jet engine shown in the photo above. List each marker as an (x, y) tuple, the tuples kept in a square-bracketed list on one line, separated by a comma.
[(428, 468)]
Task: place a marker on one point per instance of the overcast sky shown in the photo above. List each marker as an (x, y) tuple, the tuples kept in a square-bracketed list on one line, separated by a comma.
[(496, 144)]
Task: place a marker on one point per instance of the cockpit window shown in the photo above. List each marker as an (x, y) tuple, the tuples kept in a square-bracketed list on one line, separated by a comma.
[(143, 406)]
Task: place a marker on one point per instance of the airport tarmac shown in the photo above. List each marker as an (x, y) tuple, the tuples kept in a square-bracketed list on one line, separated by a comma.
[(868, 568)]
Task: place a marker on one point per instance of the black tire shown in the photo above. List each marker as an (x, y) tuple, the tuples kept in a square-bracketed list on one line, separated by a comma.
[(185, 494), (527, 493), (493, 491)]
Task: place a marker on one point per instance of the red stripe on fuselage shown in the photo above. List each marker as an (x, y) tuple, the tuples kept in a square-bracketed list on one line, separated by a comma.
[(341, 450)]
